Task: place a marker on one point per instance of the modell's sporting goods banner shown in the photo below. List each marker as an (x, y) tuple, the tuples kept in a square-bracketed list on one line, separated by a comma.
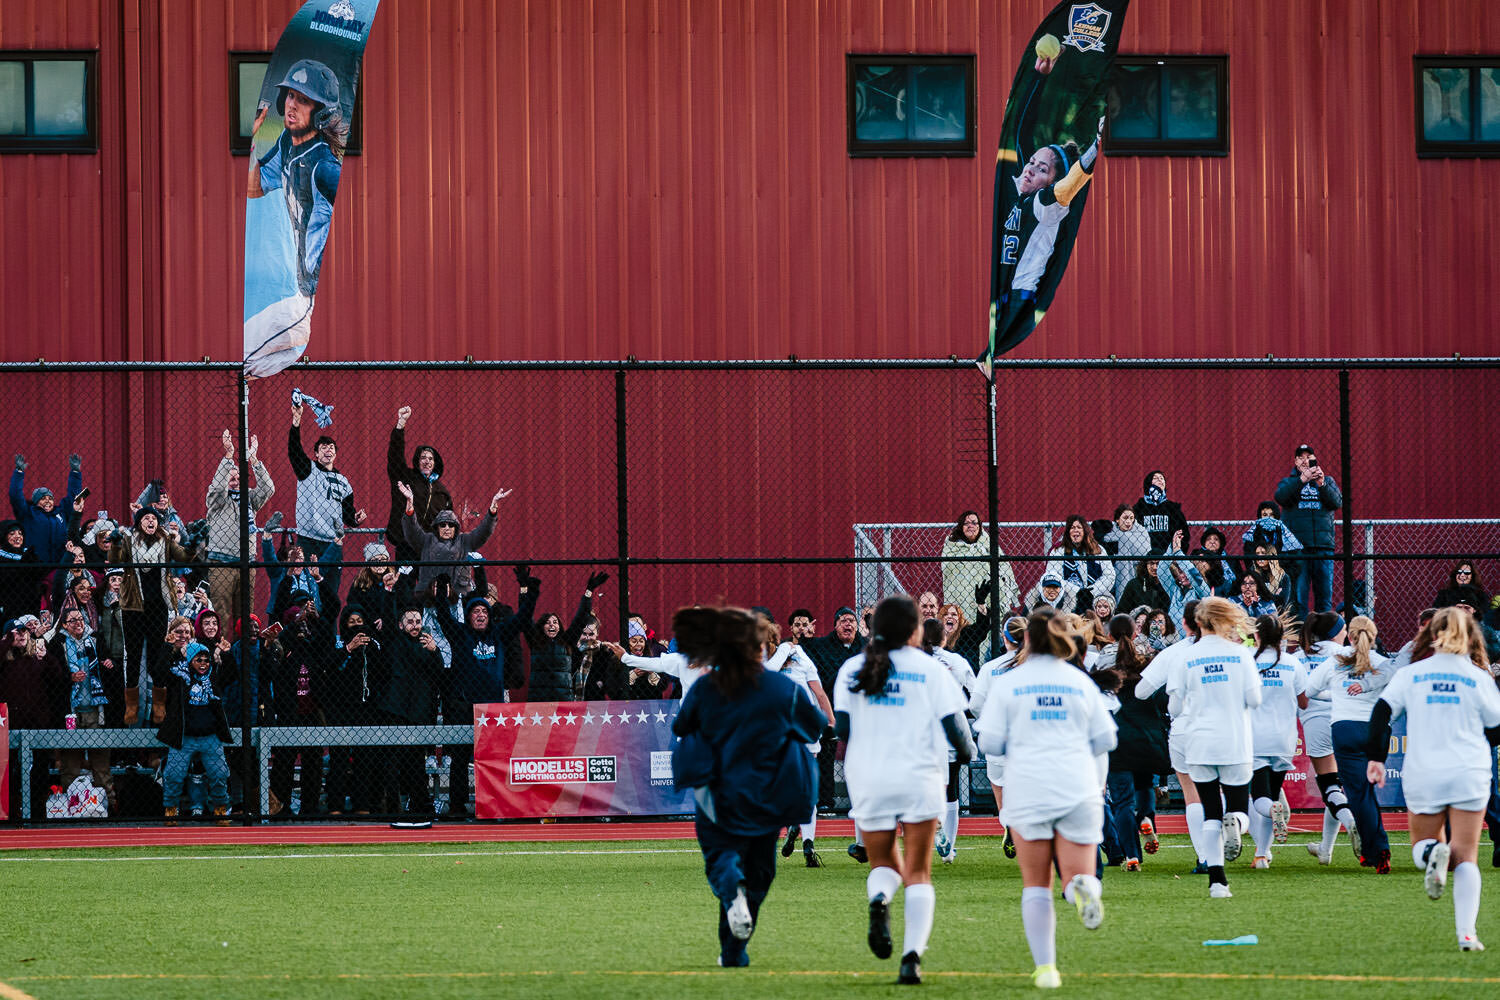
[(301, 128), (5, 761), (1301, 784), (586, 758), (1049, 148)]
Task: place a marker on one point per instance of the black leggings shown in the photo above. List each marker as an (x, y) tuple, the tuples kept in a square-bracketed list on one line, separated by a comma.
[(1266, 783), (1236, 798), (954, 769)]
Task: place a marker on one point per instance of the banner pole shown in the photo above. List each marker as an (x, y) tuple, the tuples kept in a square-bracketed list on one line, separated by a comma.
[(993, 486), (248, 698)]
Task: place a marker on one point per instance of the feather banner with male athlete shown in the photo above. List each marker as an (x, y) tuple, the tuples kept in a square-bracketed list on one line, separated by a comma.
[(301, 128), (1049, 147)]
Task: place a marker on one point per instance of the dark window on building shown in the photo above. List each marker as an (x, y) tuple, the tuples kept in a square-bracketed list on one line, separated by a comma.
[(1168, 106), (911, 105), (247, 70), (49, 102), (1458, 106)]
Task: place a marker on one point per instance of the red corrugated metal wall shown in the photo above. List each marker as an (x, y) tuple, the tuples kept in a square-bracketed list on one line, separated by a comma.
[(669, 179)]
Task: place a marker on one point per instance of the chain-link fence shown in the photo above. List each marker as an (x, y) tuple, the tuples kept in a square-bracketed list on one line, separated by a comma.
[(346, 642)]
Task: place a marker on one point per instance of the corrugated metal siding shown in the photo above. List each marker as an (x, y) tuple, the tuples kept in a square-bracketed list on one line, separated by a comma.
[(669, 179)]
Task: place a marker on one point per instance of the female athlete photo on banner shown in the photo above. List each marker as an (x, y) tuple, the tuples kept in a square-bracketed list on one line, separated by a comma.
[(301, 130)]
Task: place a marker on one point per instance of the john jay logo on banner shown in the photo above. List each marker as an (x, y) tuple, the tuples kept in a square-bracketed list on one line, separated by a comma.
[(1088, 23)]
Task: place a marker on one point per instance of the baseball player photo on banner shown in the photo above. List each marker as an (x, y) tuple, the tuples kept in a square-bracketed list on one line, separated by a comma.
[(1050, 143), (302, 124)]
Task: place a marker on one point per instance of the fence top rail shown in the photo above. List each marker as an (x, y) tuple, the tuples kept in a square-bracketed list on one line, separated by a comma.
[(868, 526), (792, 363)]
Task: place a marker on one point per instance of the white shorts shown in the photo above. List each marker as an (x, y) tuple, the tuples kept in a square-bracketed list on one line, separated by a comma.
[(1175, 746), (1224, 774), (1082, 824), (994, 767), (1277, 764), (883, 807), (1317, 736), (1429, 793)]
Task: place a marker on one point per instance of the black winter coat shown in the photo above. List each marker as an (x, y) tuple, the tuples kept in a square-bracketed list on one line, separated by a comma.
[(174, 726), (415, 682), (1143, 725), (552, 659)]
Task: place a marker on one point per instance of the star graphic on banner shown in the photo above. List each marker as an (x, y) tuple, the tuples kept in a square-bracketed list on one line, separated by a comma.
[(484, 720), (536, 719), (625, 718), (661, 716), (3, 721), (607, 718), (554, 718), (643, 717), (570, 718), (588, 717)]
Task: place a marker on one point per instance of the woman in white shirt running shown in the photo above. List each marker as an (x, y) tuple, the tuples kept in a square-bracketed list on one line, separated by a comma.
[(1283, 687), (963, 675), (1323, 635), (791, 659), (1216, 686), (893, 705), (1013, 633), (1353, 680), (1050, 721), (1452, 711)]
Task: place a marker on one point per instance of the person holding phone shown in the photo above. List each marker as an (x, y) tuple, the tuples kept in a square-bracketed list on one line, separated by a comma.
[(1308, 498)]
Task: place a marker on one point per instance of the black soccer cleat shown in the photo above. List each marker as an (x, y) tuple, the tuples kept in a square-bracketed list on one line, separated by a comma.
[(880, 928), (793, 834), (858, 853), (911, 970), (810, 855)]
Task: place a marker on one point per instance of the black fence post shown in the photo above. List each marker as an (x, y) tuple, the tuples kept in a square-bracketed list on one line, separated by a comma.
[(249, 697), (622, 506), (1346, 462)]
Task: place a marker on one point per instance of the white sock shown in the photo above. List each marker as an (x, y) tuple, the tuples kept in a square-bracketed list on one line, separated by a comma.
[(1330, 831), (1419, 851), (1040, 920), (1465, 897), (1346, 818), (1263, 806), (950, 823), (921, 901), (859, 837), (882, 882), (1194, 815), (810, 827), (1260, 828), (1213, 842)]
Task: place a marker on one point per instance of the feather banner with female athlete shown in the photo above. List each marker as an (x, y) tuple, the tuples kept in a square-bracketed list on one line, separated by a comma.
[(302, 125), (1049, 144)]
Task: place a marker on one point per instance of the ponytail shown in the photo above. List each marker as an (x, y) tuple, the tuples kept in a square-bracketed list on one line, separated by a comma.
[(894, 621), (932, 635), (1361, 638)]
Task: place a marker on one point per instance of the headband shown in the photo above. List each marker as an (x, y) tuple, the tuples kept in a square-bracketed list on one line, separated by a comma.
[(1062, 156)]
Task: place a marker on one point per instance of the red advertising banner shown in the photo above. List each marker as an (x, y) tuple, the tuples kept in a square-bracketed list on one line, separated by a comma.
[(5, 761), (596, 758)]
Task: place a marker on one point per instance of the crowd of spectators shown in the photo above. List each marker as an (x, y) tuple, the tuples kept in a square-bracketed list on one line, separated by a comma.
[(102, 618)]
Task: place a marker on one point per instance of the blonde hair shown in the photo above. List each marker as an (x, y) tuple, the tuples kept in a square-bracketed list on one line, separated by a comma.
[(1050, 633), (1361, 637), (1223, 618), (1456, 631)]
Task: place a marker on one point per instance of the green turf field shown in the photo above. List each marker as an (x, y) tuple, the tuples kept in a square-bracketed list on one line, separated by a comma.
[(636, 920)]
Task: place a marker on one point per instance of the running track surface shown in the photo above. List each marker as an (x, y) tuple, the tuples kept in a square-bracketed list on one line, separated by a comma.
[(53, 838)]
